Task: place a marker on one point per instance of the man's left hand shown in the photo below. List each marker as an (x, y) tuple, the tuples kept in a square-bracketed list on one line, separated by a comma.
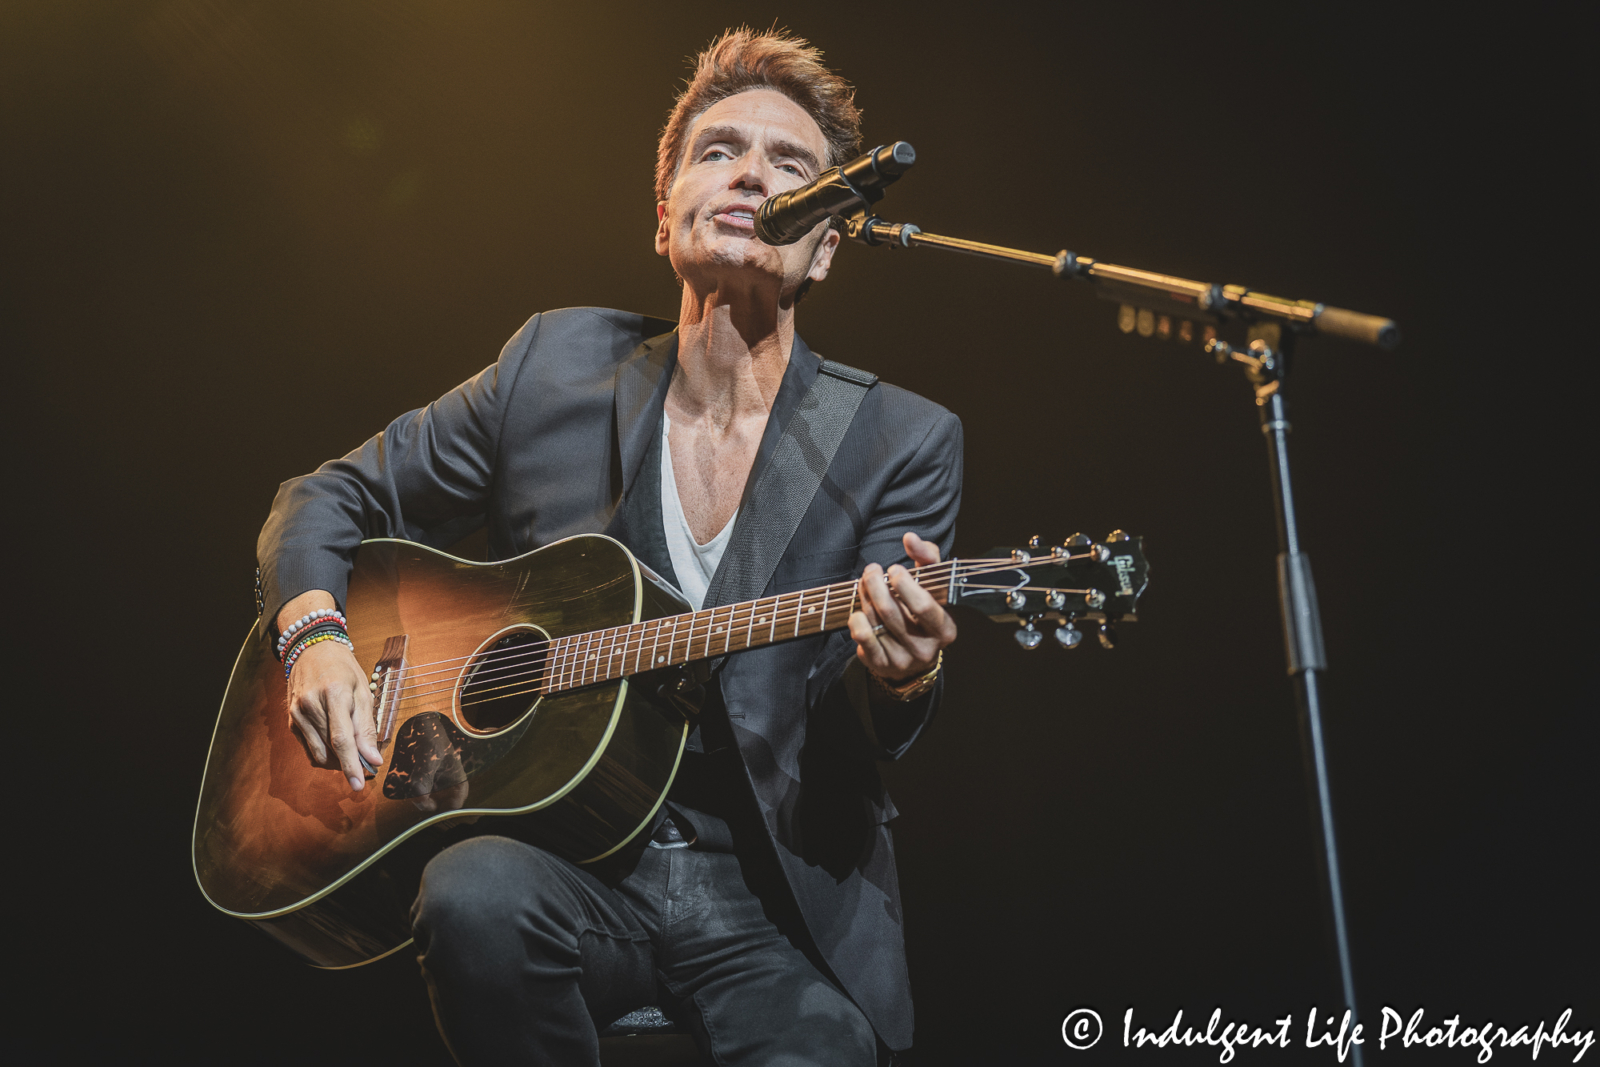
[(899, 634)]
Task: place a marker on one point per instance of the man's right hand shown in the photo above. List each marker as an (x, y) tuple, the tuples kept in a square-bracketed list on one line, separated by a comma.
[(330, 706)]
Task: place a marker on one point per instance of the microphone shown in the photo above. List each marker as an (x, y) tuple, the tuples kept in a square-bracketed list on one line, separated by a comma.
[(858, 184)]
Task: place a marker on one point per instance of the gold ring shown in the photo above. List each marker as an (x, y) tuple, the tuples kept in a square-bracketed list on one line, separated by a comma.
[(878, 629)]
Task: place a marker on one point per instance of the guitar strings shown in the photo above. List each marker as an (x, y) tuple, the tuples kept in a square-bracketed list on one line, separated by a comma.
[(736, 612), (576, 647), (973, 567), (579, 654)]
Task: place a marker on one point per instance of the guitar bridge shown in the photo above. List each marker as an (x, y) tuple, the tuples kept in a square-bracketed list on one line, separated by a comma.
[(391, 676)]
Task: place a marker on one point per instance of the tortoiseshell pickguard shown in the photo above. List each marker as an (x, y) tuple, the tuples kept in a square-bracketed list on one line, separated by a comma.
[(433, 754)]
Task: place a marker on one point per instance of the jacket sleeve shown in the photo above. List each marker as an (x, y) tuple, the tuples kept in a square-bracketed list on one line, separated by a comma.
[(426, 477), (923, 498)]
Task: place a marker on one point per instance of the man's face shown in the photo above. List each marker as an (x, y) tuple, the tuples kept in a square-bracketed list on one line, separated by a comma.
[(742, 150)]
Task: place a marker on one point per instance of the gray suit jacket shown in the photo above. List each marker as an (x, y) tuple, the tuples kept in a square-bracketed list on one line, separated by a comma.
[(546, 443)]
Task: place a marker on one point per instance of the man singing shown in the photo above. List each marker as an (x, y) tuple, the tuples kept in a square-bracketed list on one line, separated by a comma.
[(762, 908)]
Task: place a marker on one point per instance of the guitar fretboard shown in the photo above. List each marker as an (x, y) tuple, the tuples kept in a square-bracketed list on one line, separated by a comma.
[(606, 655)]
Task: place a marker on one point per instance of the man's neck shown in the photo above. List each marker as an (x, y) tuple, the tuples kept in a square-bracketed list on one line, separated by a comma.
[(732, 354)]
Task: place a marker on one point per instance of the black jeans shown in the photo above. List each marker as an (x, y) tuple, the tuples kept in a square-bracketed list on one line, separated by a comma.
[(525, 955)]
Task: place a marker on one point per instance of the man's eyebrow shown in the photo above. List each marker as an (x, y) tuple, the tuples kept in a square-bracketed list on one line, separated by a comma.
[(713, 134), (737, 135), (800, 152)]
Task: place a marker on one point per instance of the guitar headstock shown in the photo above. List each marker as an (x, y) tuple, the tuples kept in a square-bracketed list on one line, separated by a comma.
[(1076, 581)]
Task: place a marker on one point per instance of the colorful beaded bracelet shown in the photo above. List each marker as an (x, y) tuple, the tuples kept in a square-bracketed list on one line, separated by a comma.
[(328, 627), (321, 615), (294, 655), (316, 618), (322, 626), (325, 627)]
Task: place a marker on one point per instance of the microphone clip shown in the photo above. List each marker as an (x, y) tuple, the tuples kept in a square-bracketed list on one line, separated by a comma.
[(869, 229)]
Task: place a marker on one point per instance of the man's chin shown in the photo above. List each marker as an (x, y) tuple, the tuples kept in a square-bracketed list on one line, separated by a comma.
[(732, 264)]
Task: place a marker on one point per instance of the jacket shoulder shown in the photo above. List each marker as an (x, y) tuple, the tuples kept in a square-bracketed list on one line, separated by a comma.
[(606, 326), (575, 348), (906, 410)]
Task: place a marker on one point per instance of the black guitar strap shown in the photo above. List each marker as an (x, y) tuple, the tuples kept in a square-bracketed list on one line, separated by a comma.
[(800, 460)]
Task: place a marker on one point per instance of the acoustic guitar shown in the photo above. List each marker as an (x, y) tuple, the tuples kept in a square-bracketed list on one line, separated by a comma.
[(542, 690)]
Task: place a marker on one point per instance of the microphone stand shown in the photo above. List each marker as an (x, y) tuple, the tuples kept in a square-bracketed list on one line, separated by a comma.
[(1275, 322)]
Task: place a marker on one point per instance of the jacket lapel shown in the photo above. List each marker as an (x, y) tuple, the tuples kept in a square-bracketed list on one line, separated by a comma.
[(797, 379), (641, 389)]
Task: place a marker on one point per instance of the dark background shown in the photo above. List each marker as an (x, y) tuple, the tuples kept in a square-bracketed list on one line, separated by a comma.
[(240, 237)]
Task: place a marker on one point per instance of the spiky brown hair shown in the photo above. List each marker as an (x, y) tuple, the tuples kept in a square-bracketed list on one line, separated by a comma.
[(744, 59)]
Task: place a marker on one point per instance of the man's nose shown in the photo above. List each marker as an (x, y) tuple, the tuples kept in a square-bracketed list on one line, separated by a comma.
[(753, 174)]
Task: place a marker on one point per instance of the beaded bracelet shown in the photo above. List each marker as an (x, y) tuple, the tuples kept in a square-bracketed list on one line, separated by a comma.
[(294, 654), (321, 615), (325, 627), (305, 637)]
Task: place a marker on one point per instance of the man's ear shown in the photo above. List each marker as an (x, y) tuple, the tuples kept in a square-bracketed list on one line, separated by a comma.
[(661, 228), (822, 258)]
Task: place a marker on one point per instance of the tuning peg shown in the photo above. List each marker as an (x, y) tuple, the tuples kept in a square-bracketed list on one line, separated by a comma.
[(1055, 600), (1108, 635), (1117, 535), (1082, 544), (1095, 599), (1016, 601), (1068, 635), (1028, 637), (1035, 542)]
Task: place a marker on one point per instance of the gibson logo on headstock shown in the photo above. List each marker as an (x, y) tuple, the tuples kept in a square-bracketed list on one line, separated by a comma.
[(1124, 565)]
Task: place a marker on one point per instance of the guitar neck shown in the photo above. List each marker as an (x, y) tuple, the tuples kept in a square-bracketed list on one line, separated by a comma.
[(606, 655)]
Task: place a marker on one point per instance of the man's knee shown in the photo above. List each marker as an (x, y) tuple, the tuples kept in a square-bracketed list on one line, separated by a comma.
[(487, 884)]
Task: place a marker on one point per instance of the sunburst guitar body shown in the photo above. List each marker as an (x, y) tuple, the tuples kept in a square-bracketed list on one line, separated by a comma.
[(331, 873)]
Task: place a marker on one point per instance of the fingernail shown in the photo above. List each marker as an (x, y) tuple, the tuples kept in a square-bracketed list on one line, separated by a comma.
[(356, 783)]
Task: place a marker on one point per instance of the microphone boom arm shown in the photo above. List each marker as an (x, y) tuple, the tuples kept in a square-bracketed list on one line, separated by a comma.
[(1164, 293)]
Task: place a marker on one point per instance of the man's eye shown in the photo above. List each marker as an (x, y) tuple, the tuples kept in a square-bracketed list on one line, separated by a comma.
[(715, 153), (792, 169)]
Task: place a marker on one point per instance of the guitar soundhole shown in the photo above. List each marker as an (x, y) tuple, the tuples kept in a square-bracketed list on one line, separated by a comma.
[(502, 681)]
